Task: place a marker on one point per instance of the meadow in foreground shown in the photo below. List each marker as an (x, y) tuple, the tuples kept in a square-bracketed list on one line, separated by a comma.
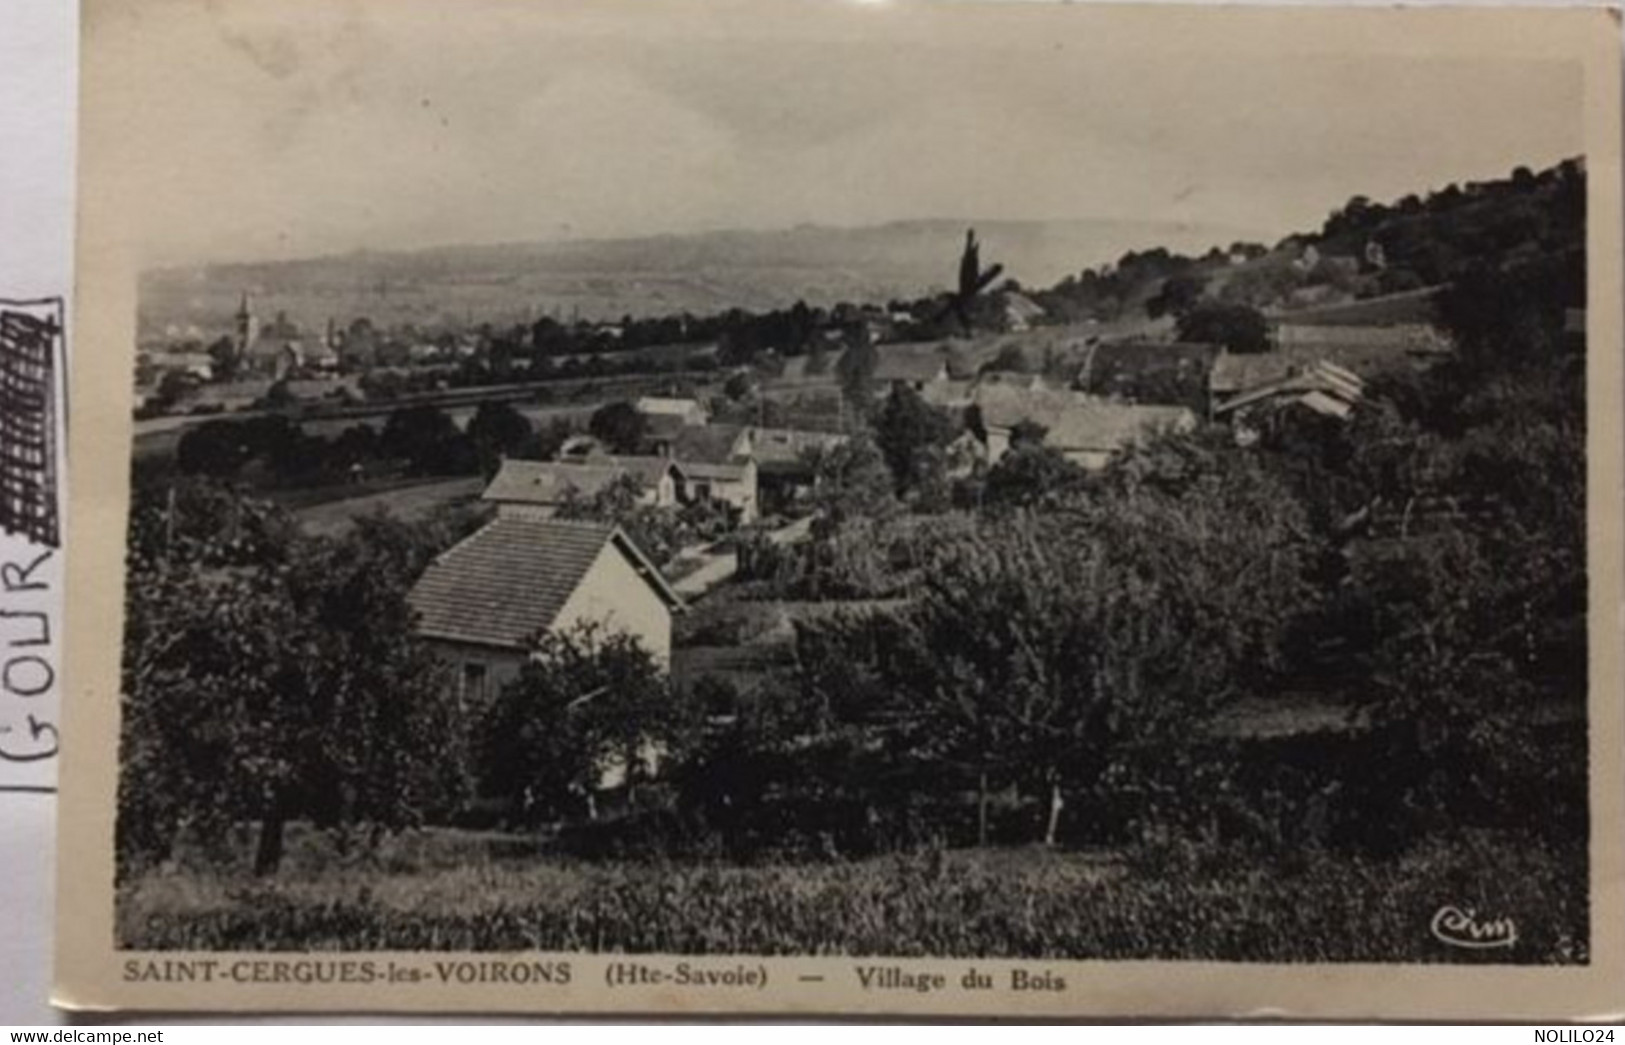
[(1170, 903)]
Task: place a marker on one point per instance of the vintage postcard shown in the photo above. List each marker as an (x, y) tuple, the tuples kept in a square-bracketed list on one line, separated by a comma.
[(1023, 510)]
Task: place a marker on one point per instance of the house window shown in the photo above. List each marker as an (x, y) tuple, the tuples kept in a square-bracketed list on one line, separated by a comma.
[(472, 690), (702, 491)]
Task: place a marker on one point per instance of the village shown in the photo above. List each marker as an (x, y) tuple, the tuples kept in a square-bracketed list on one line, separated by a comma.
[(993, 568), (1067, 387)]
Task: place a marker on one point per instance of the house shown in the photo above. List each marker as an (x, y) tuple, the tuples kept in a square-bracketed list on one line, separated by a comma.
[(1238, 373), (1021, 313), (192, 364), (538, 489), (712, 444), (951, 394), (1000, 406), (223, 396), (1322, 388), (688, 411), (716, 463), (784, 461), (1086, 430), (275, 357), (916, 370), (483, 604), (732, 483), (1149, 373), (1093, 434), (581, 447)]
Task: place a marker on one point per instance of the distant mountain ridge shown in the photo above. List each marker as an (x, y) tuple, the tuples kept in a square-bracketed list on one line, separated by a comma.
[(698, 273)]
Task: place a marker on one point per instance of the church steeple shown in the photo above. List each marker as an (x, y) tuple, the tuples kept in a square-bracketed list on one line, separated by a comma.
[(247, 328)]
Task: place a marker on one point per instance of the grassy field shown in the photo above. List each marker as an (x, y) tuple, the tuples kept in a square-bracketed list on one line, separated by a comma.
[(405, 501), (498, 893)]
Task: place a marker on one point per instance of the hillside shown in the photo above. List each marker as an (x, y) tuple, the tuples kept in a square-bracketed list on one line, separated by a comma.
[(702, 273), (1364, 249)]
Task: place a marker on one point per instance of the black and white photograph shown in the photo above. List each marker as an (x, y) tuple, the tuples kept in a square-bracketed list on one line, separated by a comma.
[(868, 482)]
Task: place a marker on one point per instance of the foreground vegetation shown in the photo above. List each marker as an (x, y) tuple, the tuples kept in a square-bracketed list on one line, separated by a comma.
[(1172, 901)]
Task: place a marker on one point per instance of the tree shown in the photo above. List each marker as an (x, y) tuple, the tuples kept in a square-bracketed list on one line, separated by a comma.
[(905, 430), (545, 443), (1510, 319), (227, 363), (428, 440), (1054, 651), (214, 448), (268, 677), (856, 372), (496, 431), (589, 703), (850, 481), (1030, 474), (173, 387), (1177, 296), (619, 426), (991, 667), (1238, 328)]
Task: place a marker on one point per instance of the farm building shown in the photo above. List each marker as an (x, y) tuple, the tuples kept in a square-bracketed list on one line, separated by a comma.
[(783, 461), (540, 488), (483, 603), (714, 462), (1021, 313), (687, 411), (1322, 388), (1237, 373), (732, 483), (1088, 431), (712, 444), (1090, 437), (916, 370), (1402, 325)]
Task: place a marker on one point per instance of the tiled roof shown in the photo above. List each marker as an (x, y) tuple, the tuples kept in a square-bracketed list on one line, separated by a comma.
[(1318, 379), (661, 428), (1112, 426), (548, 482), (781, 445), (952, 394), (705, 444), (668, 405), (897, 364), (505, 584), (650, 469), (1004, 404), (1022, 306), (729, 473)]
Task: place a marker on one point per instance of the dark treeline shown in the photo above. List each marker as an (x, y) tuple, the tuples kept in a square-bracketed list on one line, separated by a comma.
[(274, 451)]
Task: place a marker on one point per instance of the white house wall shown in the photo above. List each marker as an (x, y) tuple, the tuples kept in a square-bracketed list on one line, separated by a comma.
[(614, 595)]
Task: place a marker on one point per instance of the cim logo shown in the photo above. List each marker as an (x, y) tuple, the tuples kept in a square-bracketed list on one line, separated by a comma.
[(1461, 928)]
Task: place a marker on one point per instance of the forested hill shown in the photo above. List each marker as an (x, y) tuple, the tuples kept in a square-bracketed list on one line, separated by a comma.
[(1365, 248)]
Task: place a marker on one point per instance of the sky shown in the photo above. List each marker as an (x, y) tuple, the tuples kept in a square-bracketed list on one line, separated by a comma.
[(306, 128)]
